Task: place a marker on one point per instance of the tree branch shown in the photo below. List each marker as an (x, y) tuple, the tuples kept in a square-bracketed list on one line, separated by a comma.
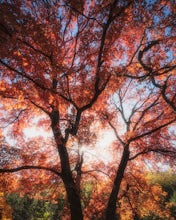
[(152, 131), (23, 75), (154, 103), (152, 73), (141, 53), (13, 170), (40, 107), (100, 171), (15, 119), (33, 48), (163, 93), (116, 134), (158, 150)]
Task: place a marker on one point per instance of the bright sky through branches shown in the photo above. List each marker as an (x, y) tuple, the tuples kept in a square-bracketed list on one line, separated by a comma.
[(102, 74), (101, 147)]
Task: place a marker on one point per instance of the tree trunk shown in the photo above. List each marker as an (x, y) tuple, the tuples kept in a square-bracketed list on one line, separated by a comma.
[(70, 186), (73, 198), (66, 174), (111, 207)]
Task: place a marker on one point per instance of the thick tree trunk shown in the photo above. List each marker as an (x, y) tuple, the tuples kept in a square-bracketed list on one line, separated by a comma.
[(111, 207), (73, 198), (66, 174), (70, 186)]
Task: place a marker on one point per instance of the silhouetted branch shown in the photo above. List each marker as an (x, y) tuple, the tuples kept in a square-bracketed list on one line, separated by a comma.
[(170, 153), (116, 133), (13, 170), (152, 73), (33, 48), (152, 130), (23, 74), (95, 170), (141, 53), (15, 119)]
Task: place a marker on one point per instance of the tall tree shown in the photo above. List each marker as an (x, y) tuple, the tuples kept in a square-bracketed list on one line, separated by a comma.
[(51, 61), (58, 57), (145, 120)]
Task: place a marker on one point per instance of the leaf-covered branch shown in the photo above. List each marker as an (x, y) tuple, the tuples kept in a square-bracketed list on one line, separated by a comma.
[(16, 118), (23, 74)]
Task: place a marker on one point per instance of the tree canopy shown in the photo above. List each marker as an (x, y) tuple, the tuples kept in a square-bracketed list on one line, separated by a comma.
[(75, 69)]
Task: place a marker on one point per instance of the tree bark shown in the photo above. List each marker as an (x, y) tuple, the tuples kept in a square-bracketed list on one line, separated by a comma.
[(73, 198), (70, 186), (111, 207), (66, 174)]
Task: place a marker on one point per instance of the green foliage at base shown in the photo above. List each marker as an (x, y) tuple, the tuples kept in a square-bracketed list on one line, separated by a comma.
[(32, 209)]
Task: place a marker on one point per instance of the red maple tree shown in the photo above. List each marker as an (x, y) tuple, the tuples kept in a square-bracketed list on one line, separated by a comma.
[(64, 60)]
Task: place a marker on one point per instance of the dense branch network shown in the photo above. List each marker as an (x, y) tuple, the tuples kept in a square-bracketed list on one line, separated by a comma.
[(69, 60)]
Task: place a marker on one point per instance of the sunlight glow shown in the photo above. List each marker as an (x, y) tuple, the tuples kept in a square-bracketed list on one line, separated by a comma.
[(102, 149), (31, 132)]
